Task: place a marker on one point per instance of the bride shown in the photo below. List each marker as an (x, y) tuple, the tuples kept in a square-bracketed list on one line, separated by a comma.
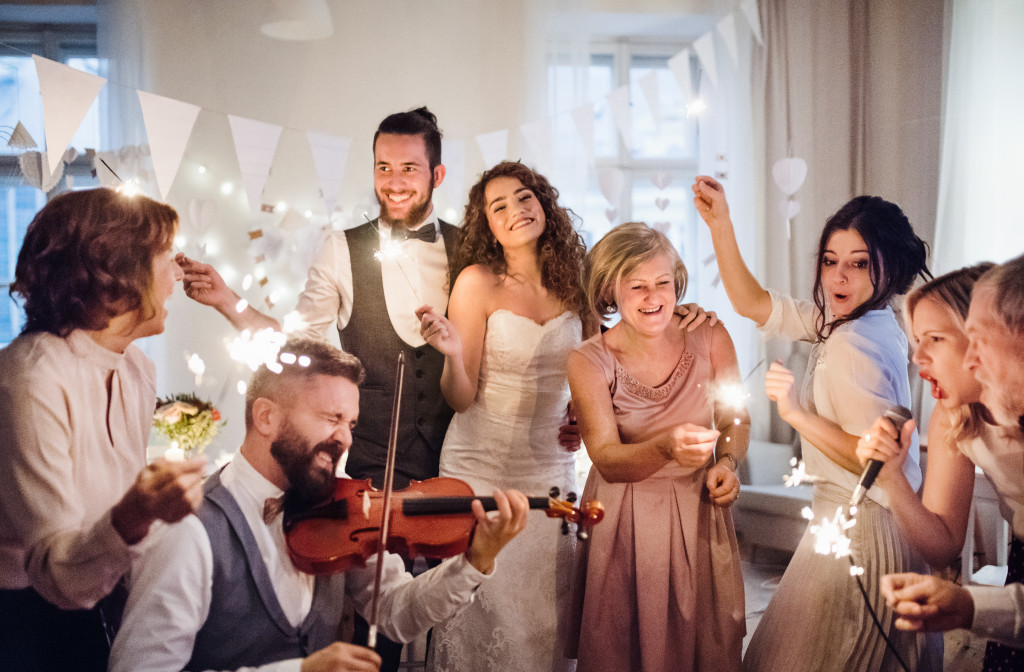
[(513, 317)]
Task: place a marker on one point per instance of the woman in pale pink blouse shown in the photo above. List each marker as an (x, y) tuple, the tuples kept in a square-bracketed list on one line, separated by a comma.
[(76, 402)]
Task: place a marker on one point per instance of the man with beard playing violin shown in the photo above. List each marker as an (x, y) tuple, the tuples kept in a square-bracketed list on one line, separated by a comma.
[(219, 591)]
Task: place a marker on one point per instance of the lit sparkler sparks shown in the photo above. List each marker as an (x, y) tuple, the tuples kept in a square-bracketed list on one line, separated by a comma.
[(293, 322), (129, 187), (830, 536), (730, 397), (391, 249), (799, 475), (256, 348)]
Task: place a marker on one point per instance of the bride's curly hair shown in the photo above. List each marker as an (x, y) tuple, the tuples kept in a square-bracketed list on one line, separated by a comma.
[(560, 248)]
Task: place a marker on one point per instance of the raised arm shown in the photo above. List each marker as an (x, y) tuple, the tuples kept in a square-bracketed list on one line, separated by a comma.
[(936, 524), (460, 336), (688, 444), (746, 294), (205, 285)]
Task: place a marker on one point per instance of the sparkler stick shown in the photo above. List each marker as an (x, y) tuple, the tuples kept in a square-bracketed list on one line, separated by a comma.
[(392, 250)]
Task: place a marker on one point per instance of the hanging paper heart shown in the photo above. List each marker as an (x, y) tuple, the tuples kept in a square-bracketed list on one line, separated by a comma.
[(661, 180), (789, 208), (611, 214), (611, 181), (202, 215), (270, 245), (308, 242), (789, 174), (662, 203)]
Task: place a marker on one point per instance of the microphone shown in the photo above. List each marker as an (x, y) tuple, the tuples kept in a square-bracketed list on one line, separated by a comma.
[(898, 416)]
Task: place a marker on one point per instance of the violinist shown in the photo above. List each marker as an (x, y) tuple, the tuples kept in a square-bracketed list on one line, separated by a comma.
[(220, 591)]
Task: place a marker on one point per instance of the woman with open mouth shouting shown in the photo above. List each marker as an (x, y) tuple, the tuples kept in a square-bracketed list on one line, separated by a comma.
[(867, 255), (961, 433)]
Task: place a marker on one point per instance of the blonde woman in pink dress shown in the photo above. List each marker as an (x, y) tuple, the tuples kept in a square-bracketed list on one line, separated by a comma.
[(658, 585)]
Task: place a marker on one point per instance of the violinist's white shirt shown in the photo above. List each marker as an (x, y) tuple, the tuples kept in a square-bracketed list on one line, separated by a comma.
[(171, 586)]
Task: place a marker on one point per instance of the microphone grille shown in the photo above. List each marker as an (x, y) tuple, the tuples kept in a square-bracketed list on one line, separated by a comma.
[(898, 415)]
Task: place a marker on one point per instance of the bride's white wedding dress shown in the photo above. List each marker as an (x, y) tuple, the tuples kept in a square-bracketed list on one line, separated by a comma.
[(509, 439)]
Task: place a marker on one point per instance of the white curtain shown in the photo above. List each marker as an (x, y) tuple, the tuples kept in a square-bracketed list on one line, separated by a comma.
[(982, 168)]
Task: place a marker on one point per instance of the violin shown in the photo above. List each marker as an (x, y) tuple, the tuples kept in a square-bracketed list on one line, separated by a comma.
[(431, 518)]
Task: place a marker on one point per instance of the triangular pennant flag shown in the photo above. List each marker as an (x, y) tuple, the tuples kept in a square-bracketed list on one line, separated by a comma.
[(330, 156), (704, 47), (583, 117), (618, 101), (21, 138), (453, 156), (255, 144), (493, 147), (33, 169), (539, 138), (67, 96), (169, 123), (749, 8), (649, 85), (680, 67), (727, 29)]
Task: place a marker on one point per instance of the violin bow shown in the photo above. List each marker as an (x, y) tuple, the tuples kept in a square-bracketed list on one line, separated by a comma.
[(389, 479)]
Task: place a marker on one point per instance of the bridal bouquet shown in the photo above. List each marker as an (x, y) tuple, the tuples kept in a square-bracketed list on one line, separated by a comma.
[(187, 421)]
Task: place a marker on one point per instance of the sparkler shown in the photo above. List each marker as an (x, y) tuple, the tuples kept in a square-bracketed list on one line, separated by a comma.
[(392, 249), (799, 475)]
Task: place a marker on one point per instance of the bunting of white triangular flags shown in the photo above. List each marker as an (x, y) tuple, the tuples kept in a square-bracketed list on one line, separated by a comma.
[(649, 85), (539, 138), (255, 144), (727, 29), (680, 67), (704, 47), (67, 96), (583, 118), (330, 156), (493, 147), (169, 124), (21, 138), (749, 8), (618, 101), (454, 153)]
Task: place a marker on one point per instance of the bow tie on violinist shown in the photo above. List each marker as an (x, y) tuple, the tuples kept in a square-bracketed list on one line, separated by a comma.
[(427, 233)]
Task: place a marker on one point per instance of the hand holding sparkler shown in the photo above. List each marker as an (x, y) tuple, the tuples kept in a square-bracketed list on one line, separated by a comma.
[(690, 445), (439, 332), (925, 602), (203, 284)]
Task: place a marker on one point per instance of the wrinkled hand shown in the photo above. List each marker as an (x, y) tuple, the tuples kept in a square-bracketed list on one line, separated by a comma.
[(204, 284), (439, 332), (723, 485), (495, 529), (709, 199), (780, 386), (691, 445), (881, 443), (569, 431), (693, 316), (925, 602), (163, 490), (342, 657)]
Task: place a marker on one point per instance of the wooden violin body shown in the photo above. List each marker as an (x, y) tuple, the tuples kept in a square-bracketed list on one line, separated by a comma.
[(431, 518)]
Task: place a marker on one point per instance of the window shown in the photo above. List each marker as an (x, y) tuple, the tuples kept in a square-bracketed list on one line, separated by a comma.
[(74, 45), (659, 166)]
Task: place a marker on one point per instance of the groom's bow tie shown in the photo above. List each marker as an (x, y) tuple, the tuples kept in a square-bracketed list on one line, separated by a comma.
[(426, 233)]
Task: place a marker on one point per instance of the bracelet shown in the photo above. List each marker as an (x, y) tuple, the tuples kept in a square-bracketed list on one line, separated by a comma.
[(735, 462)]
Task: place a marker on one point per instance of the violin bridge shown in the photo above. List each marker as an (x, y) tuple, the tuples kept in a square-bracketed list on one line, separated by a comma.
[(366, 504)]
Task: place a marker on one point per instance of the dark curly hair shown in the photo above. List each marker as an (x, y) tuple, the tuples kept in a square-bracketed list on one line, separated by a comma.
[(88, 257), (896, 255), (560, 248)]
